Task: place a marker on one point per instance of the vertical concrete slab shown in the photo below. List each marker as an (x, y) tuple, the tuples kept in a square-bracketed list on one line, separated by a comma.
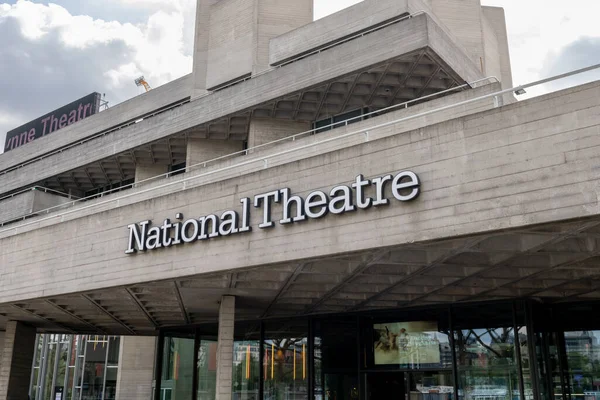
[(463, 20), (200, 150), (15, 370), (225, 348), (147, 171), (233, 41), (265, 130), (136, 368), (496, 19), (276, 17), (201, 47)]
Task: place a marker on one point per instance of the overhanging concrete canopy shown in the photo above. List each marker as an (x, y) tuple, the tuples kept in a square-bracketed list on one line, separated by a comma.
[(554, 263), (397, 63)]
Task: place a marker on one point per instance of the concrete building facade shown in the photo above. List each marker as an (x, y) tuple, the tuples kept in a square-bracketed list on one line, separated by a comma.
[(345, 208)]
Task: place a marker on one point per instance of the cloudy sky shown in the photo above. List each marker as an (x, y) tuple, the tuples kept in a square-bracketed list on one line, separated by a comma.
[(52, 53)]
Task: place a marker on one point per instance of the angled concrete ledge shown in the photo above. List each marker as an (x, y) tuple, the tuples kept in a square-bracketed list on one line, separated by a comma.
[(28, 203)]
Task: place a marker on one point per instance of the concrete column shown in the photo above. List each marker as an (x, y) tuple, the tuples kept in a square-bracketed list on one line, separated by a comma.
[(1, 347), (225, 348), (201, 41), (136, 368), (232, 37), (15, 371), (495, 17), (265, 130), (200, 150), (147, 171)]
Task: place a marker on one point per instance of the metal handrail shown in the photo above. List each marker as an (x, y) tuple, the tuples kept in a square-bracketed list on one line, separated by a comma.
[(264, 160), (183, 102), (41, 189)]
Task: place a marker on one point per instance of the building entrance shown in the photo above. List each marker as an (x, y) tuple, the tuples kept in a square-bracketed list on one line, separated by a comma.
[(386, 385)]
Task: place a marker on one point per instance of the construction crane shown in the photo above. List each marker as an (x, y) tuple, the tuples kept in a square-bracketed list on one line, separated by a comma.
[(141, 81)]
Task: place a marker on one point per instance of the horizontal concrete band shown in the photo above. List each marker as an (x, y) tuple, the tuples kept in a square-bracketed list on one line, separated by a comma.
[(114, 116), (527, 163), (417, 33)]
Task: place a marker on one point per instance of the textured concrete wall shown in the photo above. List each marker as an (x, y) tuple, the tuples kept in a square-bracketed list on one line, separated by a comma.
[(275, 18), (143, 171), (200, 150), (334, 27), (495, 17), (231, 41), (225, 348), (240, 31), (265, 130), (201, 44), (463, 19), (88, 247), (136, 368), (28, 202), (16, 206), (15, 371)]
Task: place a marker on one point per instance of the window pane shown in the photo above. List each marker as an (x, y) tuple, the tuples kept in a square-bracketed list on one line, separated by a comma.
[(110, 389), (583, 358), (178, 367), (246, 361), (431, 386), (113, 350), (285, 365), (486, 363), (47, 383), (94, 368), (336, 356), (207, 369)]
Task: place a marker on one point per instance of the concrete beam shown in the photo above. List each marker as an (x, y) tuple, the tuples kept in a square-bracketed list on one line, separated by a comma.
[(225, 348)]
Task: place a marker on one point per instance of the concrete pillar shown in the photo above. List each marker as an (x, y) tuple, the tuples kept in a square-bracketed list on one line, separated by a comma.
[(495, 18), (225, 348), (1, 347), (147, 171), (201, 46), (200, 150), (137, 355), (463, 19), (15, 371), (265, 130)]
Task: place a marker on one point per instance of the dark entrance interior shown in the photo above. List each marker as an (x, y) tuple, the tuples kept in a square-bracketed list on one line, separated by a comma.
[(386, 386)]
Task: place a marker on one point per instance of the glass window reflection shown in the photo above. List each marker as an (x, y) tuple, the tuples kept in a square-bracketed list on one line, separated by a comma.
[(285, 363)]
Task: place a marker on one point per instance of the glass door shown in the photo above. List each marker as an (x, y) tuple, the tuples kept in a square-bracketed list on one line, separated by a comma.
[(386, 385)]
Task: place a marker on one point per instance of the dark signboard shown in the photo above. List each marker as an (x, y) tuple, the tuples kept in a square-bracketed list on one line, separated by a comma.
[(53, 121)]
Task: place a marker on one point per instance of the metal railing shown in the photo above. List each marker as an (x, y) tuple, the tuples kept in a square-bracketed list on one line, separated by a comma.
[(188, 100), (263, 161), (40, 189)]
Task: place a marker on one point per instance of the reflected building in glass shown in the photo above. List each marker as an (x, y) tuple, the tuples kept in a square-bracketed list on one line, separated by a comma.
[(75, 367)]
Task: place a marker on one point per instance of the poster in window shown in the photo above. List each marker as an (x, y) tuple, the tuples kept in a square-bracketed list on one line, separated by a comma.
[(404, 343)]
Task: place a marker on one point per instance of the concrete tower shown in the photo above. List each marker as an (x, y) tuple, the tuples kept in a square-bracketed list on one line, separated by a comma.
[(232, 37)]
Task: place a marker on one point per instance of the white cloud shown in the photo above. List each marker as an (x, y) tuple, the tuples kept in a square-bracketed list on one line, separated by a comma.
[(50, 57)]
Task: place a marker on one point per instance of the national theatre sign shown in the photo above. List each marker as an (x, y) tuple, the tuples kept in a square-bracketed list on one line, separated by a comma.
[(405, 186)]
